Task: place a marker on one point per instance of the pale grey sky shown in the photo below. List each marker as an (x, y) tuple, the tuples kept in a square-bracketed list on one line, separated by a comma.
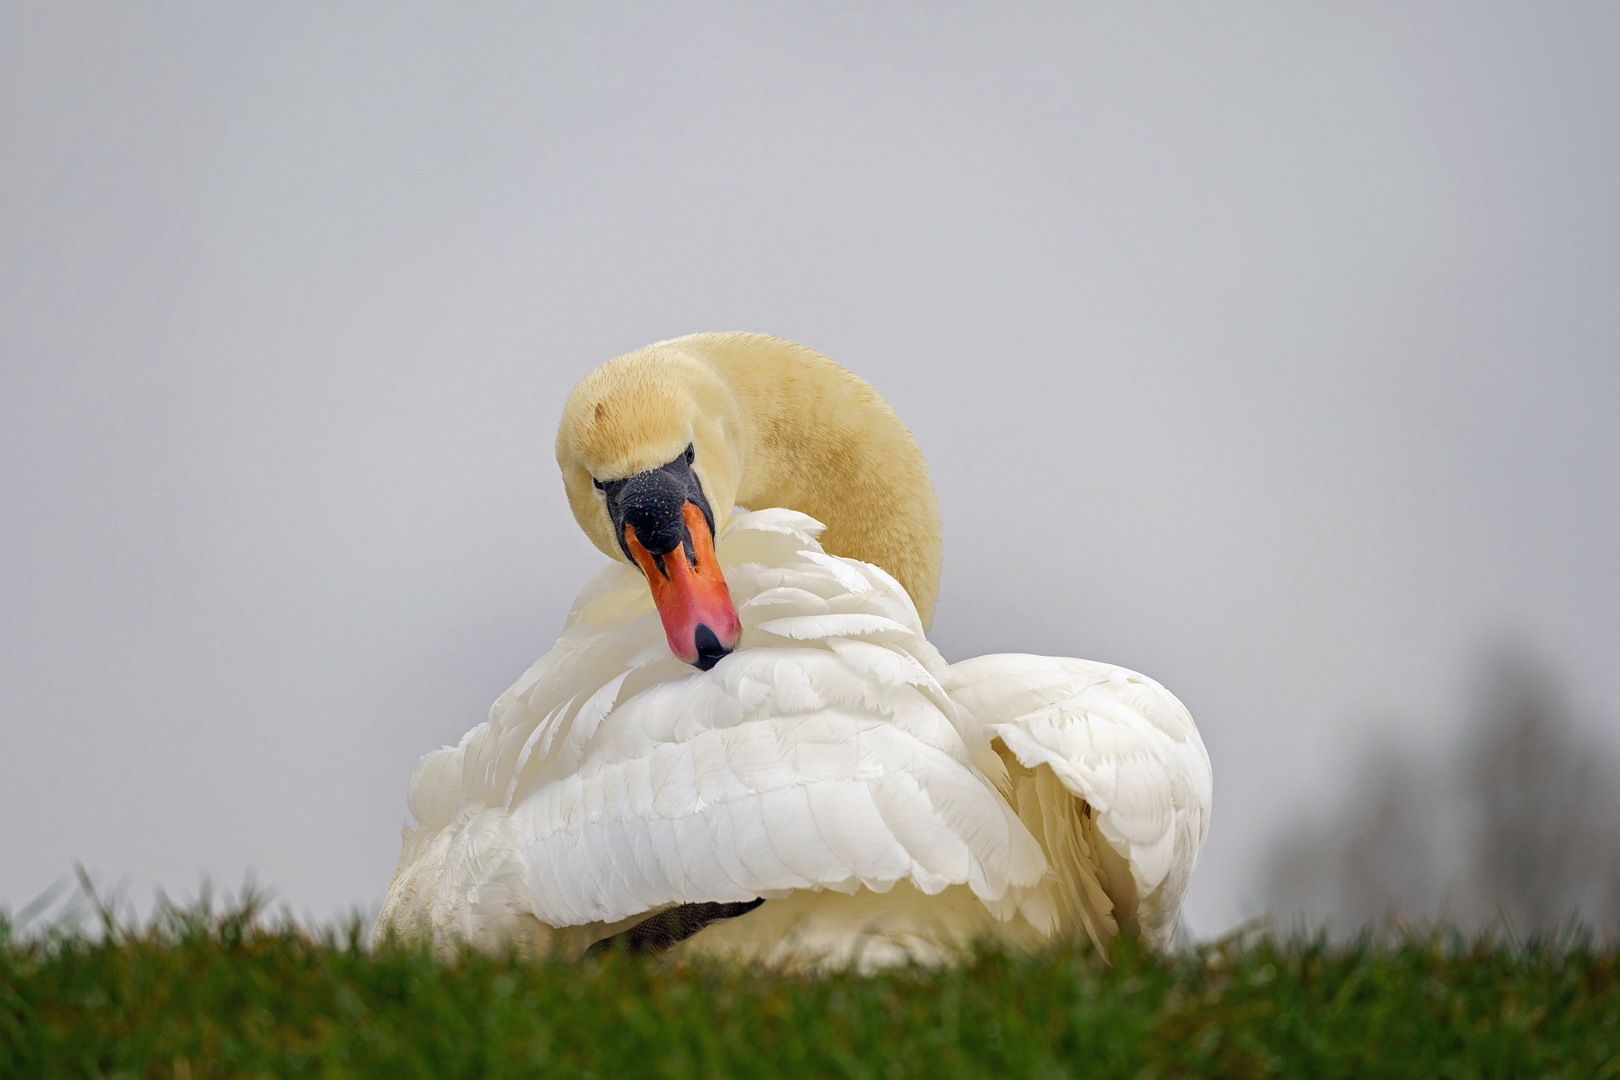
[(1273, 350)]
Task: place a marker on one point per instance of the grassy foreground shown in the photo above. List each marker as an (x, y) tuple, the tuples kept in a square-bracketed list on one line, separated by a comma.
[(199, 995)]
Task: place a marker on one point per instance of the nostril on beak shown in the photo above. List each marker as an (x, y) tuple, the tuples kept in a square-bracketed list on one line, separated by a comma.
[(709, 649)]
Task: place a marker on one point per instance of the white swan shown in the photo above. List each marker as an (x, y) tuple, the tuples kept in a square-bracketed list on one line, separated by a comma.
[(884, 805)]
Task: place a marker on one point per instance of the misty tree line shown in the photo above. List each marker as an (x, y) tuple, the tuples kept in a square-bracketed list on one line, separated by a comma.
[(1517, 828)]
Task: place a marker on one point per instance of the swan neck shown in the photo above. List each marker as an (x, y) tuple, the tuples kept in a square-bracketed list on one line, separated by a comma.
[(814, 437)]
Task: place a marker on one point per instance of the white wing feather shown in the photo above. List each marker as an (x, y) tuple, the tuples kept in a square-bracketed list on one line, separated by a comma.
[(1124, 748), (612, 780)]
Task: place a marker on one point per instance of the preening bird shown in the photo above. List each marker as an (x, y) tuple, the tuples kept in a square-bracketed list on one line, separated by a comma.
[(743, 743)]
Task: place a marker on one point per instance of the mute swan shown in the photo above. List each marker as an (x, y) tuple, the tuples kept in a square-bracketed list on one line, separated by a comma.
[(768, 722)]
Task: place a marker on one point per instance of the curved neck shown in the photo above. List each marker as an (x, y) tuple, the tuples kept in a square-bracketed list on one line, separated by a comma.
[(819, 439)]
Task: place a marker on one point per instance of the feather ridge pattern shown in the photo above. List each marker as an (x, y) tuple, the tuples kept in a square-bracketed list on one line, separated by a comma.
[(834, 755)]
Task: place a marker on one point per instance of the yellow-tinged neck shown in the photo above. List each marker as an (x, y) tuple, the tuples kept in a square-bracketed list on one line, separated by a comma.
[(772, 424)]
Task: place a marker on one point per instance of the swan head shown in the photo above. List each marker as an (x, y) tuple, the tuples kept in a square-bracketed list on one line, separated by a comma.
[(649, 456)]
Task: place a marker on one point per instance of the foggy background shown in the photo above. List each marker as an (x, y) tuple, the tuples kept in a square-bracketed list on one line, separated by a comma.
[(1273, 351)]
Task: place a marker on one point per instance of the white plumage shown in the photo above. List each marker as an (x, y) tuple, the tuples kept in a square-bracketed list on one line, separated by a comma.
[(885, 804)]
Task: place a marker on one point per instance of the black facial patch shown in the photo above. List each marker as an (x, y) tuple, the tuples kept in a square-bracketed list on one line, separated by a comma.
[(652, 503)]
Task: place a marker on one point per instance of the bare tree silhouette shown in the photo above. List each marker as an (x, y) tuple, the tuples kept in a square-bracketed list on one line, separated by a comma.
[(1518, 828), (1545, 811)]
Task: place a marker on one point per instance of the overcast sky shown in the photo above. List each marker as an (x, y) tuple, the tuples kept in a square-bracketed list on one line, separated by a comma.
[(1271, 350)]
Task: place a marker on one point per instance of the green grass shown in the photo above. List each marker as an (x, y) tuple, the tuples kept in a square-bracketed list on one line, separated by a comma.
[(196, 994)]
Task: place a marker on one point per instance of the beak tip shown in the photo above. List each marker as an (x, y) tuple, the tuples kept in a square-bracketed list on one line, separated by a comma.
[(709, 649)]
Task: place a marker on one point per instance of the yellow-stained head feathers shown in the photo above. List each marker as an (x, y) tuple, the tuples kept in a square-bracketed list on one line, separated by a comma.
[(771, 423), (637, 412)]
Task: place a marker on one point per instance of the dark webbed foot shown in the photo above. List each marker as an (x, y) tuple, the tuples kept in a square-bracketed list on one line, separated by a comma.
[(655, 934)]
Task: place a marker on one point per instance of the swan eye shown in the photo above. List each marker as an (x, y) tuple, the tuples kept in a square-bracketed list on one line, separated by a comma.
[(601, 492), (690, 453)]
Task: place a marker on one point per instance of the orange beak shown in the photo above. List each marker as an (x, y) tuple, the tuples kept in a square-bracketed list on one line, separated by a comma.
[(699, 621)]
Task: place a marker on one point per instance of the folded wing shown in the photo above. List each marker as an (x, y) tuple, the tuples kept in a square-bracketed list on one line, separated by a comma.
[(1109, 772), (825, 754)]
